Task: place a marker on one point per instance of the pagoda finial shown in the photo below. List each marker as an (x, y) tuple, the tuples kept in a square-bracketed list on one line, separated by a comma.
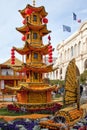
[(33, 2)]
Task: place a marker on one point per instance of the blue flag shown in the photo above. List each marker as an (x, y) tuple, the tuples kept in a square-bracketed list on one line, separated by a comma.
[(66, 28), (74, 16)]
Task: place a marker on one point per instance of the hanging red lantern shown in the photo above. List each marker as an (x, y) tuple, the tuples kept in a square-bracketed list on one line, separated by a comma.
[(12, 53), (50, 57), (24, 21), (49, 46), (12, 62), (45, 20), (12, 57), (49, 38), (49, 50), (50, 60), (28, 11), (23, 38), (50, 54), (12, 49)]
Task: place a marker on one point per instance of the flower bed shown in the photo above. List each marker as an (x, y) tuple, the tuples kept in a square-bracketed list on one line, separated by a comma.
[(42, 109), (81, 124)]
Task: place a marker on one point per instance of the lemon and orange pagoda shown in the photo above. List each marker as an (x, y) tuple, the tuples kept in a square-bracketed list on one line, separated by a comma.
[(34, 28)]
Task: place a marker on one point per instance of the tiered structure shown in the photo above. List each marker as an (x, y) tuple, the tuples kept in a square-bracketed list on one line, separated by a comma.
[(34, 90), (9, 77)]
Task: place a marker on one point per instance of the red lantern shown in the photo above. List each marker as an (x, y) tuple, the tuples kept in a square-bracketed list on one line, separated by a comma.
[(12, 49), (50, 57), (49, 50), (12, 62), (12, 57), (23, 38), (28, 11), (50, 54), (49, 46), (12, 53), (45, 20), (49, 38), (50, 60), (24, 21)]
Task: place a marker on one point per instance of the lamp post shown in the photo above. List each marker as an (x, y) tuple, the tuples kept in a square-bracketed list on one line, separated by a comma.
[(78, 92)]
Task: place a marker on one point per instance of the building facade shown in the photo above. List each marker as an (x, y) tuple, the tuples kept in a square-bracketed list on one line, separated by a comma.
[(74, 46), (54, 74)]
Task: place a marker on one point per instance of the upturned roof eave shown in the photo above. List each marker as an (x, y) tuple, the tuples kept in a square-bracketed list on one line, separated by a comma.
[(40, 9)]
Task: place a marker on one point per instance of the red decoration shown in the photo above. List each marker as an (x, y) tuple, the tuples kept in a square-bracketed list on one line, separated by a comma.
[(12, 49), (12, 53), (79, 21), (50, 57), (12, 62), (24, 21), (28, 11), (49, 46), (12, 56), (49, 50), (50, 60), (49, 38), (50, 54), (45, 20), (27, 29), (23, 38), (12, 59)]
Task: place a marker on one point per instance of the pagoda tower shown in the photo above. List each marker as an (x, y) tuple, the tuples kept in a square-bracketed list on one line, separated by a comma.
[(34, 90)]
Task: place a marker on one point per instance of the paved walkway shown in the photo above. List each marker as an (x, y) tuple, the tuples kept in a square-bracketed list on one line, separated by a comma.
[(31, 116)]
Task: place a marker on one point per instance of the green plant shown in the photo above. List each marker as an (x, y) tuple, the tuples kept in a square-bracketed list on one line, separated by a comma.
[(83, 77)]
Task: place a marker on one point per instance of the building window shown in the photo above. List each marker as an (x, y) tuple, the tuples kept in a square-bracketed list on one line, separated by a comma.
[(35, 75), (35, 56), (79, 48), (34, 35), (61, 71), (86, 64), (71, 51), (34, 18)]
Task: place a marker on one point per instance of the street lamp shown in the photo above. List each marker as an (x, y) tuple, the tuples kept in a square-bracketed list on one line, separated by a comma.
[(78, 92)]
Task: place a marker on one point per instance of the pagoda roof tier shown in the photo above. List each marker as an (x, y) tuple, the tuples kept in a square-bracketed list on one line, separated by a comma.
[(40, 10), (43, 68), (42, 28), (43, 49), (28, 87)]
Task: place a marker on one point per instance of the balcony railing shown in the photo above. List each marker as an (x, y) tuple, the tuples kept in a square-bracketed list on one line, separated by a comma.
[(12, 77)]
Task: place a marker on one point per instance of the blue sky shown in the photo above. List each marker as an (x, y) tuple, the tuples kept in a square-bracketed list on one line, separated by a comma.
[(59, 13)]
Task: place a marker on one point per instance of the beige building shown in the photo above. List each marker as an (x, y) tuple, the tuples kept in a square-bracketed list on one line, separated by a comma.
[(54, 74), (74, 46)]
